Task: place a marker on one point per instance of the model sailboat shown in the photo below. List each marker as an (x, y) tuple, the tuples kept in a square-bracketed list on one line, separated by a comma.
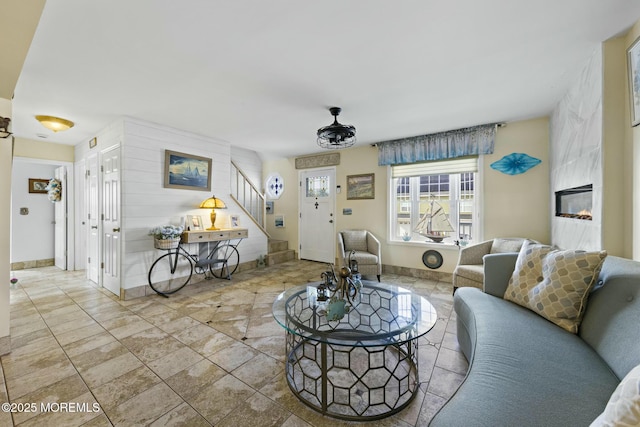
[(434, 224)]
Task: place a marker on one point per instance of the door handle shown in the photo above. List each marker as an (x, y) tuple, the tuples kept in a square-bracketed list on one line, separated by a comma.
[(116, 230), (330, 221), (95, 227)]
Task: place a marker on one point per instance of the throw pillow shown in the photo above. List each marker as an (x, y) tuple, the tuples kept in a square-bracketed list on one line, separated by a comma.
[(554, 283), (623, 408)]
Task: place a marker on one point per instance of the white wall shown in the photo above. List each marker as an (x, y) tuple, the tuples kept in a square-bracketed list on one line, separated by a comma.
[(32, 235), (146, 203)]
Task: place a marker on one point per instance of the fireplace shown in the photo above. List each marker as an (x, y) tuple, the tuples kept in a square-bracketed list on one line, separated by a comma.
[(575, 202)]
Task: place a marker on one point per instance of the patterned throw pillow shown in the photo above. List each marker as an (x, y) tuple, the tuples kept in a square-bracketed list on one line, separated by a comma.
[(553, 283), (623, 408)]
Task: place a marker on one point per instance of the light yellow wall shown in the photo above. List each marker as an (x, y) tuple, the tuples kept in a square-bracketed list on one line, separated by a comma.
[(43, 150), (518, 205), (632, 137), (514, 205), (617, 151)]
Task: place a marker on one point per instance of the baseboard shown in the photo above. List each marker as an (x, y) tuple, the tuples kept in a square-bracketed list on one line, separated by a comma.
[(23, 265), (418, 272)]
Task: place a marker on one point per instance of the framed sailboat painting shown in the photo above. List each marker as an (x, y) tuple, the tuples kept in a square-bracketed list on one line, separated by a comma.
[(186, 171)]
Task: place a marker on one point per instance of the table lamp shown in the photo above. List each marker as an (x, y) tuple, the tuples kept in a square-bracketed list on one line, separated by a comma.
[(213, 203)]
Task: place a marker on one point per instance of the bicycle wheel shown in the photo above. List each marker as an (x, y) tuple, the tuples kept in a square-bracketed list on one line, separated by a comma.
[(225, 260), (170, 273)]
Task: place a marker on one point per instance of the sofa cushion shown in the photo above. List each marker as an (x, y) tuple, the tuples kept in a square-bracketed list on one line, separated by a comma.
[(471, 271), (363, 258), (355, 240), (623, 408), (553, 283), (503, 245)]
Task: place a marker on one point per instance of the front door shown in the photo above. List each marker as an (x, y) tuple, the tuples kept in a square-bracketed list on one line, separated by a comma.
[(111, 242), (317, 215)]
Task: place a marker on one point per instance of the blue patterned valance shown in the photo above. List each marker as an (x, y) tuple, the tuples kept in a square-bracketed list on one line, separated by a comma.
[(470, 141)]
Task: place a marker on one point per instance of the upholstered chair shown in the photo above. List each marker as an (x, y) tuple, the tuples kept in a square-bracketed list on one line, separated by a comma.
[(470, 268), (367, 251)]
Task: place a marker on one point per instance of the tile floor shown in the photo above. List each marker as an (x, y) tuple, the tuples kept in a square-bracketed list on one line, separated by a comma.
[(210, 355)]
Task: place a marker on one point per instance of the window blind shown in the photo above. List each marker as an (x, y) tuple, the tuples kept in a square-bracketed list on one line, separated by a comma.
[(460, 165)]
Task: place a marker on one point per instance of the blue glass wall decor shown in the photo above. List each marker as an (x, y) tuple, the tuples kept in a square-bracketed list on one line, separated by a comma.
[(515, 163)]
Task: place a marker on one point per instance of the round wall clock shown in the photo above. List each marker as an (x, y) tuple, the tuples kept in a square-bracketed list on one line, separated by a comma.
[(432, 259), (274, 186)]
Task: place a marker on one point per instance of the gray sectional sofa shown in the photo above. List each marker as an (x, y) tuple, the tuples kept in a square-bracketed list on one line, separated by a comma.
[(525, 370)]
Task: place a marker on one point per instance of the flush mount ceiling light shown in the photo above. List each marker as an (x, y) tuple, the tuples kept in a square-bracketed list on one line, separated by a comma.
[(336, 135), (55, 124)]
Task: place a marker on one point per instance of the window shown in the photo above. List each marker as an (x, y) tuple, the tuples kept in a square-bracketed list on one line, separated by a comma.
[(416, 190)]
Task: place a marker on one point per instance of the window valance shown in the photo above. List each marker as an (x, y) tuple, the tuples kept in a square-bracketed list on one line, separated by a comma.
[(471, 141)]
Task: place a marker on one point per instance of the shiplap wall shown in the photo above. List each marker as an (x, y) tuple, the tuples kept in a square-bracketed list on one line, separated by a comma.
[(146, 203)]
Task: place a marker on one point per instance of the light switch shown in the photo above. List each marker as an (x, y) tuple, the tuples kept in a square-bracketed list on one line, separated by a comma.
[(24, 211)]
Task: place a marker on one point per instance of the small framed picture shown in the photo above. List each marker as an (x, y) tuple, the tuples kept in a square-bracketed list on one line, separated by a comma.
[(38, 185), (194, 223), (269, 207), (235, 221), (93, 143), (361, 186), (279, 221)]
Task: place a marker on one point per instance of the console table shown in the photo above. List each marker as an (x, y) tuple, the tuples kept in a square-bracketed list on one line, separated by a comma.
[(362, 367)]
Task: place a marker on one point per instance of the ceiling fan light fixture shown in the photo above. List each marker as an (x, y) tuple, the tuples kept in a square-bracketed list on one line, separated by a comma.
[(336, 135), (55, 124)]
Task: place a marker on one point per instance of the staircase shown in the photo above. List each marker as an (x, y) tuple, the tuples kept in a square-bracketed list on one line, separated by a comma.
[(248, 197), (279, 252)]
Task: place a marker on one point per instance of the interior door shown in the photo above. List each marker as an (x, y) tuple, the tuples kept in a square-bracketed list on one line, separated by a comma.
[(111, 242), (92, 182), (317, 221), (82, 226), (60, 227)]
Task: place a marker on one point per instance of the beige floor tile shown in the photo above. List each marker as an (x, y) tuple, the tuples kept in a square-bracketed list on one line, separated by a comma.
[(38, 379), (83, 411), (17, 366), (229, 358), (219, 399), (87, 344), (151, 344), (175, 362), (80, 333), (258, 371), (146, 407), (113, 368), (93, 357), (189, 382), (124, 387), (182, 415), (257, 411), (452, 361)]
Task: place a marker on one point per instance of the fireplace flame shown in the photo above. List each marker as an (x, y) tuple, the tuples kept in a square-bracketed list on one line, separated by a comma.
[(584, 212)]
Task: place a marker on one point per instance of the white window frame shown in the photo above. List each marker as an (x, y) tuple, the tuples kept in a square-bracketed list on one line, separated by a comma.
[(414, 190)]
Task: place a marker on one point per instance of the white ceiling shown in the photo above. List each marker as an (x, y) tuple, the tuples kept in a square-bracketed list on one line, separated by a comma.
[(261, 74)]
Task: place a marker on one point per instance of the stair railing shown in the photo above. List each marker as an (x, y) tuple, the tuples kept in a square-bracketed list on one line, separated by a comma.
[(248, 197)]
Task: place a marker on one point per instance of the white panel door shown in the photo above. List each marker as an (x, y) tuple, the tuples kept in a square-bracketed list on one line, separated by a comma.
[(80, 237), (92, 181), (111, 242), (60, 227), (317, 221)]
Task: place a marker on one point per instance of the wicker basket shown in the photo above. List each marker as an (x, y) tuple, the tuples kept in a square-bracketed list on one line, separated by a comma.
[(166, 243)]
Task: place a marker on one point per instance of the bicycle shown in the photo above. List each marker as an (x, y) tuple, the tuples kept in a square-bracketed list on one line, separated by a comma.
[(172, 271)]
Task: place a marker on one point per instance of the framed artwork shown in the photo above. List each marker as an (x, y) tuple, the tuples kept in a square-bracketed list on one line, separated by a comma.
[(633, 62), (93, 143), (361, 186), (269, 207), (186, 171), (279, 220), (194, 223), (37, 185), (235, 221)]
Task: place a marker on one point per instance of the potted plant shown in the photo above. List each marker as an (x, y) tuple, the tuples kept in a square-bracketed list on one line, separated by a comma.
[(166, 236)]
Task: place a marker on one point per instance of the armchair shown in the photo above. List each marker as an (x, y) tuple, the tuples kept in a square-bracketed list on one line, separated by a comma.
[(470, 268), (367, 251)]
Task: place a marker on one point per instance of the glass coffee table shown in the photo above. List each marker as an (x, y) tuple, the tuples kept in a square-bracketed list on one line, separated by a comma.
[(362, 367)]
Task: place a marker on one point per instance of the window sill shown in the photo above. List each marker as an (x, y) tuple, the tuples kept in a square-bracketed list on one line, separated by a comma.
[(424, 244)]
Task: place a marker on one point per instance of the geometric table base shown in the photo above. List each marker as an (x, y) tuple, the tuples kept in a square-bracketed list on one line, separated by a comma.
[(352, 383)]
